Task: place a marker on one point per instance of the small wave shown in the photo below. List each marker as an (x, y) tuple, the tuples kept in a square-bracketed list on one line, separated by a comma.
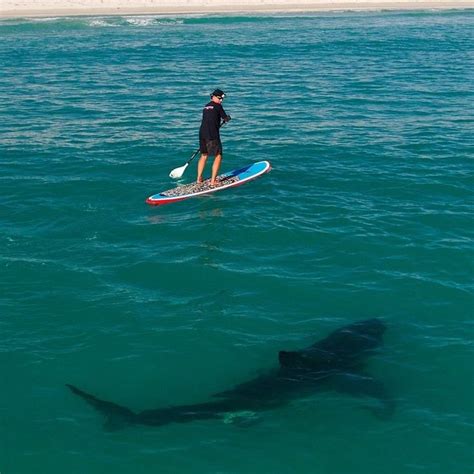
[(152, 21), (140, 21), (99, 22), (26, 20), (96, 21), (45, 20)]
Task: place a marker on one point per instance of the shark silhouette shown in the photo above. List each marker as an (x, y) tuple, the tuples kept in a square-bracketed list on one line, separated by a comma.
[(334, 363)]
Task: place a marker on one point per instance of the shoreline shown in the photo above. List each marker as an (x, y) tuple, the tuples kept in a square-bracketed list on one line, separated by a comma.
[(94, 8)]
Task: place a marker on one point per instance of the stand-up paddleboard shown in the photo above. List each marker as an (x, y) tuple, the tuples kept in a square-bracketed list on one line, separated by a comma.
[(224, 181)]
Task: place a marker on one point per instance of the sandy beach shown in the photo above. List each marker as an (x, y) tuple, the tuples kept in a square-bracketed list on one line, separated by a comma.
[(47, 8)]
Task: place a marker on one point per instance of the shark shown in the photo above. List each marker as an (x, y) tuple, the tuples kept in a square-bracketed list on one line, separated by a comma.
[(337, 362)]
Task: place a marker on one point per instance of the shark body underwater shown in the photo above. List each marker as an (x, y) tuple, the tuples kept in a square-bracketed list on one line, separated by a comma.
[(334, 363)]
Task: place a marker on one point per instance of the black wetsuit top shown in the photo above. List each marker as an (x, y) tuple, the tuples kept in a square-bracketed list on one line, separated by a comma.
[(212, 115)]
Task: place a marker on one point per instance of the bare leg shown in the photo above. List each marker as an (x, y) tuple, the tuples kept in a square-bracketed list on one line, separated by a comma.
[(201, 166), (215, 168)]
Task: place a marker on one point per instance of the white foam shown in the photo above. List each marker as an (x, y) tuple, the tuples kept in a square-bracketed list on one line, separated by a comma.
[(140, 21), (45, 20), (100, 23), (152, 21)]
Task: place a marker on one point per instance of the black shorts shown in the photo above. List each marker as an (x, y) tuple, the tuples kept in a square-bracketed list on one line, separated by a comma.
[(210, 147)]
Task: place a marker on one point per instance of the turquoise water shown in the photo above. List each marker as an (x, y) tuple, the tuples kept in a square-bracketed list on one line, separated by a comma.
[(367, 120)]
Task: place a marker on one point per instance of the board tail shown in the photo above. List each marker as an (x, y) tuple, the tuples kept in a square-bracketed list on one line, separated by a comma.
[(116, 416)]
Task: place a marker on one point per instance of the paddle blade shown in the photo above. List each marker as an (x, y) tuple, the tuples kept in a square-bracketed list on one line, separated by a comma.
[(178, 172)]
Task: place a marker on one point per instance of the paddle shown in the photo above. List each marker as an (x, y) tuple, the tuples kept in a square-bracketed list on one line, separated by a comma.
[(178, 172)]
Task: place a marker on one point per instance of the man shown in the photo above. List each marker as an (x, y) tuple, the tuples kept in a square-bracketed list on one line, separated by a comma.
[(209, 137)]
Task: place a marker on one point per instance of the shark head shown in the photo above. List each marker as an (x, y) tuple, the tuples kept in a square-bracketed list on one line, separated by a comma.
[(343, 348)]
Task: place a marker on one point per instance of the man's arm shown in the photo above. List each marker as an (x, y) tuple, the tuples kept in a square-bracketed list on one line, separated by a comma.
[(223, 114)]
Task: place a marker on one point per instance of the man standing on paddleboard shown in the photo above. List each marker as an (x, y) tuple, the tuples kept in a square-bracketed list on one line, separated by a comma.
[(209, 137)]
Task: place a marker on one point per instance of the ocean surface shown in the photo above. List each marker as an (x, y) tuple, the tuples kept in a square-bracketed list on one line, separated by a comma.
[(367, 120)]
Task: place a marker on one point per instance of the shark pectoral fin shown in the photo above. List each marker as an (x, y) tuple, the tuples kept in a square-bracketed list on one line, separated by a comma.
[(362, 385), (384, 410), (116, 415)]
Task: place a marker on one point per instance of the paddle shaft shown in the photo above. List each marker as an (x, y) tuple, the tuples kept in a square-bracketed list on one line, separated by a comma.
[(192, 157)]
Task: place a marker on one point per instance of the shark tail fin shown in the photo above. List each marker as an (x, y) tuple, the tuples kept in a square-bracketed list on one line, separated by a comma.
[(116, 415)]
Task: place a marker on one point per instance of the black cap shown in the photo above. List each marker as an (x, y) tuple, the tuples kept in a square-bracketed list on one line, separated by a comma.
[(218, 93)]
